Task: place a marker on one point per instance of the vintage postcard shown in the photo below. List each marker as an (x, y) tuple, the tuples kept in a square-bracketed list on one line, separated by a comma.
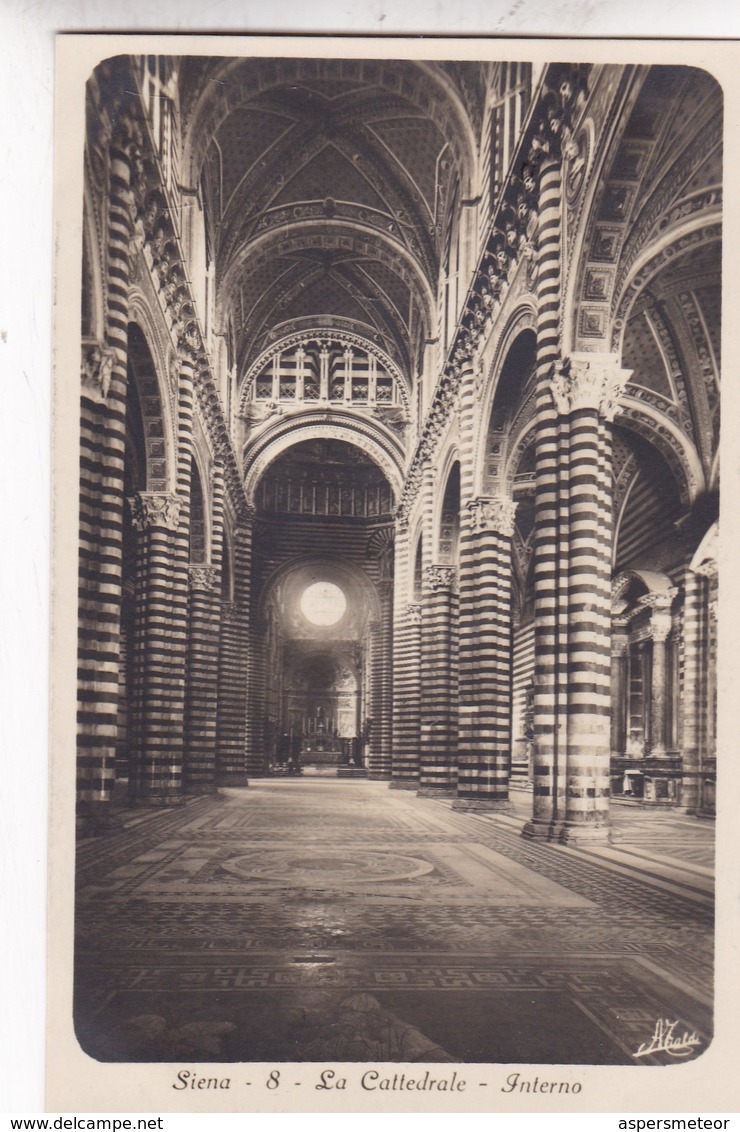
[(393, 626)]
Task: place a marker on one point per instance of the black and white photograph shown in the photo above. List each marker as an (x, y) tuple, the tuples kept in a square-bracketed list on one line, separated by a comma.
[(387, 570)]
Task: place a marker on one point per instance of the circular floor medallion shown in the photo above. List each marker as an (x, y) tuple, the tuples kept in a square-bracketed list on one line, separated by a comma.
[(325, 867)]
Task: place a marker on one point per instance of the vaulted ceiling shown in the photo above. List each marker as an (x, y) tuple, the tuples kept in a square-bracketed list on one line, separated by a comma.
[(327, 186)]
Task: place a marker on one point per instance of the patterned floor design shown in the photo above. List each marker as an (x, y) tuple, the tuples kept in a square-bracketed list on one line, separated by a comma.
[(313, 919)]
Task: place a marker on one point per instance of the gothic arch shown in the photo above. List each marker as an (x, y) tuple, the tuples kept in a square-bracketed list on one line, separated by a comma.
[(694, 233), (319, 333), (519, 331), (654, 581), (153, 401), (200, 501), (371, 438), (636, 209), (449, 472), (672, 443), (416, 556), (93, 294), (360, 236), (208, 112)]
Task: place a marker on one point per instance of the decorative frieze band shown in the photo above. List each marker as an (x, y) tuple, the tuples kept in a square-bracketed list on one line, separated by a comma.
[(155, 509), (96, 370), (589, 381), (441, 577), (205, 578), (492, 513)]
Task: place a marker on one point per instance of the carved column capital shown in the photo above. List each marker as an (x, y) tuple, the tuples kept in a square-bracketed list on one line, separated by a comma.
[(155, 509), (413, 613), (660, 626), (589, 381), (441, 577), (705, 560), (660, 604), (493, 513), (232, 613), (204, 578), (620, 636), (96, 370), (189, 344)]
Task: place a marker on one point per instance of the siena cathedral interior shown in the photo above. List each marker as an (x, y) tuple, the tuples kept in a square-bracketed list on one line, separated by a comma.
[(398, 560)]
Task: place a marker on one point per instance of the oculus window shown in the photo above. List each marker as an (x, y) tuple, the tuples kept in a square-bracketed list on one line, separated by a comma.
[(323, 604)]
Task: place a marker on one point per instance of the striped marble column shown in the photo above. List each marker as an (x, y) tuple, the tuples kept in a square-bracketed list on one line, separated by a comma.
[(620, 651), (232, 696), (576, 548), (405, 752), (374, 660), (232, 741), (484, 756), (256, 670), (199, 766), (180, 590), (256, 752), (102, 450), (551, 524), (588, 662), (695, 690), (438, 732), (199, 771), (407, 698), (381, 765), (155, 774), (661, 624)]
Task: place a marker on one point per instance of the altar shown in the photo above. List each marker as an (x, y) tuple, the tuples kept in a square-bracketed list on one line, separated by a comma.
[(322, 750)]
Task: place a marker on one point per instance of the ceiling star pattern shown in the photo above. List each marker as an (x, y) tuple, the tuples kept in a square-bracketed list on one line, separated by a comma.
[(327, 185)]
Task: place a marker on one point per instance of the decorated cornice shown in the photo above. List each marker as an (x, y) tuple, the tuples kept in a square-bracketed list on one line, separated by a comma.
[(658, 600), (493, 513), (589, 381), (330, 323), (155, 509), (547, 136)]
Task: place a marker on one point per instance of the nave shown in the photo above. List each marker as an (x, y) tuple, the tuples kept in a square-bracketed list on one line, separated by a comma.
[(316, 919)]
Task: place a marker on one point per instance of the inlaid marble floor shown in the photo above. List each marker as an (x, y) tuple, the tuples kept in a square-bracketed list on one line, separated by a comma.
[(317, 919)]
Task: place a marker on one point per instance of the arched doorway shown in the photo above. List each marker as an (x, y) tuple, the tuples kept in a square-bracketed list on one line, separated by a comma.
[(321, 630)]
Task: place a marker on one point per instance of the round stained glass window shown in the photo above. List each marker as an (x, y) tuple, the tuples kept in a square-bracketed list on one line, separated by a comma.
[(323, 603)]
